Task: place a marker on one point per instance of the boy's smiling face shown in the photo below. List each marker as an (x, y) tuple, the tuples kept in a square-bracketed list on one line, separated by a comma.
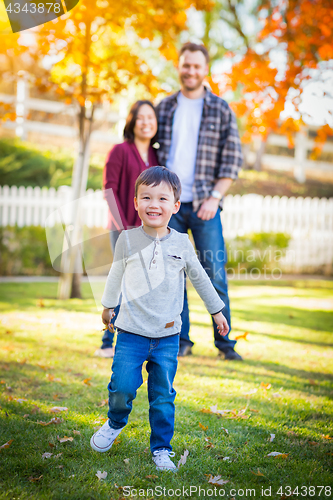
[(155, 206)]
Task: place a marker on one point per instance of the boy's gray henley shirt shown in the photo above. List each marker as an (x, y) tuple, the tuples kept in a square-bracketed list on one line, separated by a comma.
[(149, 273)]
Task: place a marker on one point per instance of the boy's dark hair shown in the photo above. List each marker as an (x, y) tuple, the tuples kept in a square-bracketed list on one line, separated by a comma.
[(131, 120), (154, 176), (195, 47)]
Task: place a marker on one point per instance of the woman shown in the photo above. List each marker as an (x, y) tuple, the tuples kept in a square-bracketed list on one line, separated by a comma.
[(124, 164)]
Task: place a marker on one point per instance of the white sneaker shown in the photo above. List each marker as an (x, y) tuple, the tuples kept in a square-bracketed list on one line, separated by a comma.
[(108, 352), (104, 438), (162, 460)]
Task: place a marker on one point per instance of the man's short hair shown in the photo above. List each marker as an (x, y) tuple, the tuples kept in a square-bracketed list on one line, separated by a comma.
[(194, 47), (154, 176)]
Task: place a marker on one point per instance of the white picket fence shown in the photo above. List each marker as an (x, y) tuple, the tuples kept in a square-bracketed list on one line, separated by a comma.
[(309, 221)]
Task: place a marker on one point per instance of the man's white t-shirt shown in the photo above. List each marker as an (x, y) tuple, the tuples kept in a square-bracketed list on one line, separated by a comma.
[(184, 143)]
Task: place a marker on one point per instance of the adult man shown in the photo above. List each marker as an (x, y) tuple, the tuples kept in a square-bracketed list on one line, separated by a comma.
[(199, 141)]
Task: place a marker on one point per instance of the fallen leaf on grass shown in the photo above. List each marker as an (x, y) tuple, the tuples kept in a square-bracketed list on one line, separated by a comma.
[(34, 479), (146, 450), (183, 458), (326, 437), (313, 443), (47, 455), (6, 445), (276, 395), (26, 415), (35, 409), (52, 378), (217, 480), (40, 303), (2, 382), (116, 441), (265, 386), (101, 475), (57, 456), (205, 410), (258, 473), (77, 432), (43, 367), (203, 427), (126, 460), (86, 381), (271, 439), (225, 430), (64, 439), (209, 445), (23, 362), (103, 402), (54, 420), (312, 382), (51, 445), (58, 409), (243, 336), (151, 476), (277, 454)]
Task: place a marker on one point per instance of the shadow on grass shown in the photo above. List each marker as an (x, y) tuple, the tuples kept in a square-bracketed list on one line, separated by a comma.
[(238, 372), (290, 316)]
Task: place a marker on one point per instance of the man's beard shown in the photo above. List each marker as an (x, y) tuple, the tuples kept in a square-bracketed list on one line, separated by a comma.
[(196, 86)]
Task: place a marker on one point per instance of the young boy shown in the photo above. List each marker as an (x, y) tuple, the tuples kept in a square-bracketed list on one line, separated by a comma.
[(148, 270)]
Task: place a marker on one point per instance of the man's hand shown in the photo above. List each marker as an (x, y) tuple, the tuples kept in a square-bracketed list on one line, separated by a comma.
[(222, 325), (107, 315), (208, 208)]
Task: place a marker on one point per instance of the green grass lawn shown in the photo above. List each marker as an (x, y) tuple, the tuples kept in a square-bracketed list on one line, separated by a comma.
[(284, 387)]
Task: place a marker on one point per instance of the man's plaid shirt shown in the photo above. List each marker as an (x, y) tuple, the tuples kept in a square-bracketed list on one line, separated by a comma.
[(219, 152)]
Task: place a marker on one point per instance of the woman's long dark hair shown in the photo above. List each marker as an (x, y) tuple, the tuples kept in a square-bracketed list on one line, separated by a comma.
[(131, 120)]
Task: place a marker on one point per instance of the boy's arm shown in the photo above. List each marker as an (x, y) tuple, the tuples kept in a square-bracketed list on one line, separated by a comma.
[(205, 289), (112, 289)]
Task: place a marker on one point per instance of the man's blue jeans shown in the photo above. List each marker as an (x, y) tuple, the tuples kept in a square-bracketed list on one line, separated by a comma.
[(209, 243), (130, 353)]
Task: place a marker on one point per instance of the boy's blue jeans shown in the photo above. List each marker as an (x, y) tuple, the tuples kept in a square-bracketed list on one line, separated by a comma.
[(209, 243), (130, 353)]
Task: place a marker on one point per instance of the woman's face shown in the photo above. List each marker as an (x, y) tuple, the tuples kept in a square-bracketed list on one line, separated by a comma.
[(146, 123)]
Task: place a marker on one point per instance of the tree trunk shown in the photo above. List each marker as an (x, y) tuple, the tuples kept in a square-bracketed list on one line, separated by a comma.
[(260, 153), (71, 261)]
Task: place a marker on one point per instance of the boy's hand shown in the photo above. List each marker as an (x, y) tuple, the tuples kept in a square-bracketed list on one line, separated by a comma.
[(222, 325), (107, 316)]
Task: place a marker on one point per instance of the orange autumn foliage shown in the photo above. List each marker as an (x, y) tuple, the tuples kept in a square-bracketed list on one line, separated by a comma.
[(302, 30)]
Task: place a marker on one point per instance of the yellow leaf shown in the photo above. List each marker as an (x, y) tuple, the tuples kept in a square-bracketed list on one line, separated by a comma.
[(258, 473), (34, 479), (6, 445), (327, 436), (87, 381), (203, 427), (64, 439), (265, 386), (244, 336)]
